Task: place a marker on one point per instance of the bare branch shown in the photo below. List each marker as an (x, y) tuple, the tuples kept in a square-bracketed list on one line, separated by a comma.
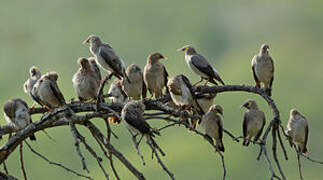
[(22, 162)]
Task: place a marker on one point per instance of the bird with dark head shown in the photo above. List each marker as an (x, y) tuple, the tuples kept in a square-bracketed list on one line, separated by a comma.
[(213, 125), (297, 130), (253, 122), (200, 65), (106, 57), (136, 88), (155, 75), (31, 81), (46, 92), (85, 82), (263, 69), (17, 114)]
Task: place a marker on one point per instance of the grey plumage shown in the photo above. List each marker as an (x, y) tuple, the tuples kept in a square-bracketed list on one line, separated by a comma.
[(136, 87), (17, 114), (205, 100), (213, 125), (180, 90), (106, 57), (85, 81), (155, 75), (95, 68), (200, 65), (263, 68), (46, 92), (253, 122), (297, 130), (115, 92), (31, 81)]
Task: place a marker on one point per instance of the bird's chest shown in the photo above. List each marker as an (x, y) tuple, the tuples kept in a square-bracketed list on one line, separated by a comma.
[(185, 98), (263, 69), (297, 130), (254, 124)]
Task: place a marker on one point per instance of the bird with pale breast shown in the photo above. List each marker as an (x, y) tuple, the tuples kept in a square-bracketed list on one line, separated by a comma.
[(31, 81), (85, 82), (263, 69), (213, 125), (297, 130), (46, 92), (17, 114), (136, 88), (155, 75), (253, 122), (204, 101), (106, 57), (95, 69), (200, 65)]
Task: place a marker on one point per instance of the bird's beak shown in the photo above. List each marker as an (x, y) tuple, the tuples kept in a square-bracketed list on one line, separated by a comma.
[(164, 57), (222, 114), (244, 105), (181, 49), (86, 41)]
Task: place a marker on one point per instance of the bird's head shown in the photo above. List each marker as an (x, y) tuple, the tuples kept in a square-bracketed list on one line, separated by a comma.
[(249, 104), (293, 112), (83, 62), (154, 57), (33, 71), (264, 48), (140, 105), (53, 76), (187, 49), (216, 109), (133, 69), (92, 60), (92, 39)]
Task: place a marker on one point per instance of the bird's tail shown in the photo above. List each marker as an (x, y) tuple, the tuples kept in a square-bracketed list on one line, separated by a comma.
[(304, 150), (213, 82), (220, 146), (114, 120), (246, 142), (32, 137)]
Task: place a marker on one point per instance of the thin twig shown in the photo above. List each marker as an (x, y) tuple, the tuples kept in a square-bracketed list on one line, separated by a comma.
[(223, 165), (134, 140), (22, 162), (5, 167), (230, 134), (56, 164), (298, 153), (282, 144), (274, 149)]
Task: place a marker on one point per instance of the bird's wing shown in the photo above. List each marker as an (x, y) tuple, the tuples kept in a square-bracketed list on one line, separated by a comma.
[(262, 127), (220, 125), (244, 124), (166, 79), (272, 79), (190, 87), (111, 59), (22, 102), (26, 86), (144, 90), (253, 69), (35, 97), (57, 93), (201, 64), (306, 135), (135, 119), (9, 109)]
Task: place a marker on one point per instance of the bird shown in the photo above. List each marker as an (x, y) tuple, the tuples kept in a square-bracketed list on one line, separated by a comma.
[(297, 130), (136, 88), (155, 74), (213, 125), (17, 114), (46, 92), (116, 95), (200, 65), (204, 101), (95, 68), (132, 116), (263, 69), (85, 81), (35, 74), (106, 57), (253, 122)]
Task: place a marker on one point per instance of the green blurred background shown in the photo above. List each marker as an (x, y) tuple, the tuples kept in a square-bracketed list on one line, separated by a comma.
[(49, 34)]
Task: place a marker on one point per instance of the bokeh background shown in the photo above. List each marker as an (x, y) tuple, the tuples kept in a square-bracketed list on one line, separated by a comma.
[(49, 34)]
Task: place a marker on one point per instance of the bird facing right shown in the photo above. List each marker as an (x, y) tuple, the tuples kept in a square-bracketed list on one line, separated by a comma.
[(297, 130), (85, 82), (263, 68), (213, 125), (155, 75), (253, 122), (17, 114)]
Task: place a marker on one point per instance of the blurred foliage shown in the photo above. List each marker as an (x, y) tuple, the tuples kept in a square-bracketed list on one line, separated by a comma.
[(49, 34)]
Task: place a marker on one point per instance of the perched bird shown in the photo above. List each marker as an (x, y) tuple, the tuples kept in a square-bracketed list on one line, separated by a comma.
[(95, 68), (106, 57), (133, 117), (297, 130), (17, 114), (155, 75), (263, 68), (117, 95), (136, 88), (85, 82), (46, 92), (200, 66), (213, 125), (204, 101), (34, 76), (253, 122), (181, 92)]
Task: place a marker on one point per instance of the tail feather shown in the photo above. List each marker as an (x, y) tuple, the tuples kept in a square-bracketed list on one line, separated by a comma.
[(246, 142), (213, 82), (220, 146), (304, 150), (32, 137)]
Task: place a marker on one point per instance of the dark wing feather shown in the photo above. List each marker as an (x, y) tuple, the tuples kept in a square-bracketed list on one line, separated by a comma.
[(262, 128), (166, 79), (9, 109), (144, 90), (57, 93), (35, 97), (201, 64), (306, 136), (254, 74), (244, 125), (190, 87), (112, 60), (135, 119), (220, 127)]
